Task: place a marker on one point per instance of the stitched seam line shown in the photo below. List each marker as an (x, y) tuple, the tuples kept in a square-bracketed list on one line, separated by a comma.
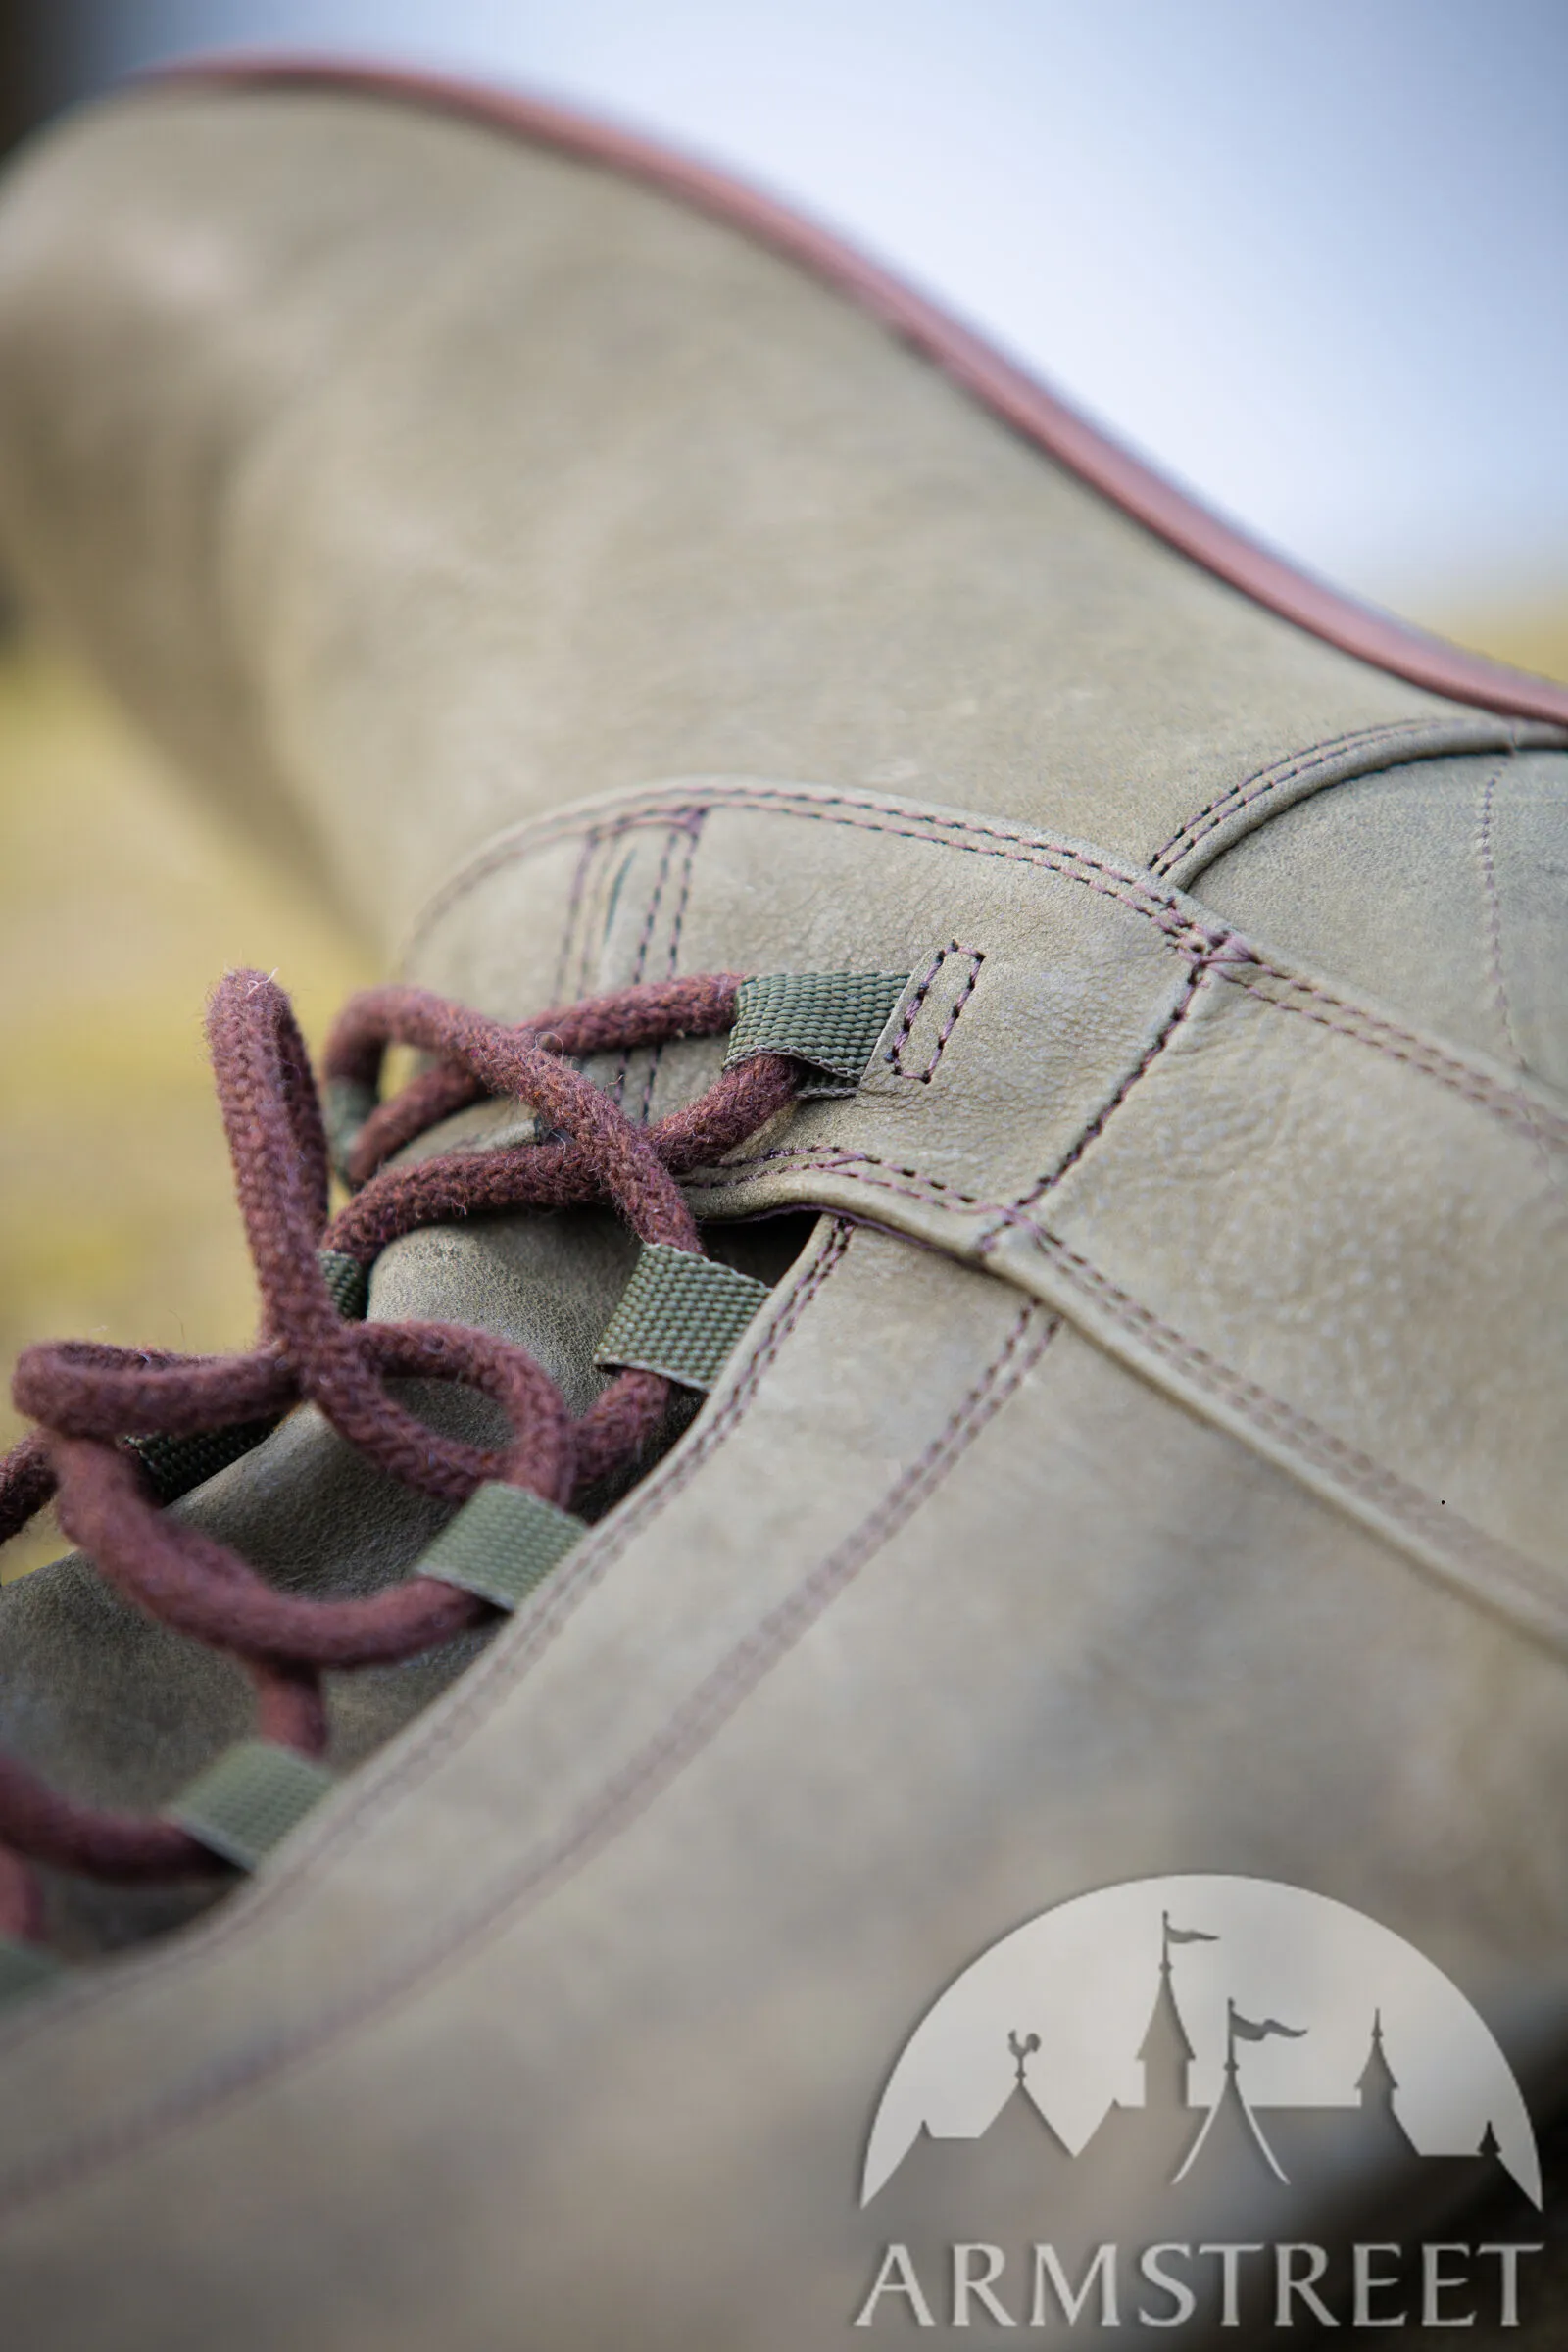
[(683, 898), (689, 1728), (830, 1160), (1488, 876), (507, 1661), (911, 1011), (574, 914), (683, 892), (916, 1003), (1355, 1470), (1427, 739), (1073, 866), (1265, 780), (1140, 896), (1359, 1471), (1398, 1045), (617, 1089), (1515, 1112), (952, 1022), (1215, 944), (1097, 1126), (1539, 1123), (673, 842)]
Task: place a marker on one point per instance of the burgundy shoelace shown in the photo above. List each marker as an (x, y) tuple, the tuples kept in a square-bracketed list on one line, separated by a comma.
[(89, 1399)]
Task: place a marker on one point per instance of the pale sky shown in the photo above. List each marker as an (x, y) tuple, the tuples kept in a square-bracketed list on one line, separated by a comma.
[(1310, 255)]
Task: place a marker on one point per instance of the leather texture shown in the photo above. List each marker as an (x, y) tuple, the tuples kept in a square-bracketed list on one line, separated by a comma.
[(411, 481), (1239, 1174), (1152, 1462), (115, 1707)]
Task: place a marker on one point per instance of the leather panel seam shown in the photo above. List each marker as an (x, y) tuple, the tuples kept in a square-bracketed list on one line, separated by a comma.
[(1392, 744), (1215, 946), (615, 1807), (506, 1662), (1405, 1503)]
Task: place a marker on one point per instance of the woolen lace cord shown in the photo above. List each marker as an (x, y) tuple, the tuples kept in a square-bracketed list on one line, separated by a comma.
[(95, 1404)]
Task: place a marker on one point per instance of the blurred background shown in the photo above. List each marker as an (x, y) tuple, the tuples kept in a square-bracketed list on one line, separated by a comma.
[(1307, 257)]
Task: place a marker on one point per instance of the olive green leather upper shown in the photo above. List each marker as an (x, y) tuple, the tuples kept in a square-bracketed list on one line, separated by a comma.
[(1152, 1462)]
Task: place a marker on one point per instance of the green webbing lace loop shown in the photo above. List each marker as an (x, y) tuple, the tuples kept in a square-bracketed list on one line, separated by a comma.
[(679, 1315), (501, 1544), (174, 1465), (829, 1020), (249, 1800)]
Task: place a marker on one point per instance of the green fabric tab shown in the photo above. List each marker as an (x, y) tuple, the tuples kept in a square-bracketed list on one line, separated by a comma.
[(24, 1968), (346, 1104), (830, 1021), (680, 1315), (173, 1465), (249, 1800), (348, 1281), (501, 1544)]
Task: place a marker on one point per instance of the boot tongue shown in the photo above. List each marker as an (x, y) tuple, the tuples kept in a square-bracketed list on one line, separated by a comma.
[(122, 1711), (113, 1706)]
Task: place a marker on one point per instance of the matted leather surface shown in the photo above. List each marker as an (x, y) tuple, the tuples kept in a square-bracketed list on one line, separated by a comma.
[(1042, 416)]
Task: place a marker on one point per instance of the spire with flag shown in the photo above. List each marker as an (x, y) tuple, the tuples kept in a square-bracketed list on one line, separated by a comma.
[(1172, 1935), (1166, 2052), (1243, 2029), (1231, 2116)]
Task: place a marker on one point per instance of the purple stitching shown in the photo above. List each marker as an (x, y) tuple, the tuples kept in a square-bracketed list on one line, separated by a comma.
[(916, 1003), (1264, 780), (1467, 1543), (1488, 873), (1097, 1126), (694, 830), (1427, 739), (674, 840), (523, 843), (688, 1730), (1231, 962), (570, 945), (505, 1661), (912, 1009), (1216, 950), (830, 1160), (952, 1021), (693, 833), (1318, 1444), (678, 837), (1365, 1029), (1539, 1124), (1257, 1402), (1073, 866)]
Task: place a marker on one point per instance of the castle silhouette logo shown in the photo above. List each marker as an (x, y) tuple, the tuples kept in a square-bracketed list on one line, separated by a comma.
[(1199, 2052)]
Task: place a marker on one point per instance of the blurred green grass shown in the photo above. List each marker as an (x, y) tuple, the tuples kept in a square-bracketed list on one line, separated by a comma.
[(123, 899)]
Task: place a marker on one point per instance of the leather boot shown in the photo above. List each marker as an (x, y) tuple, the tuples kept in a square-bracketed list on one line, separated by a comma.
[(1142, 1462)]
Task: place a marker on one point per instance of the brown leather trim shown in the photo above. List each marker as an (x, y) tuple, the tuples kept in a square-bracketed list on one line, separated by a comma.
[(1359, 629)]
